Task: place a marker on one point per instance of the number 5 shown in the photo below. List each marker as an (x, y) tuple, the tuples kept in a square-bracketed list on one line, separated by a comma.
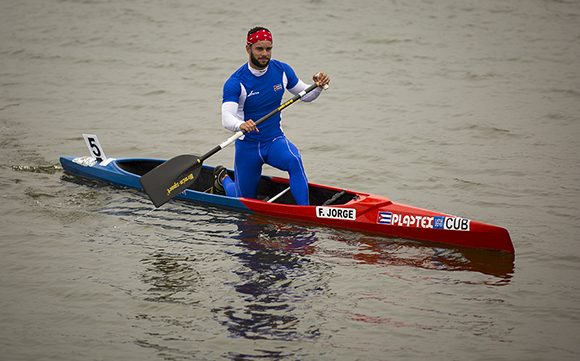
[(94, 147)]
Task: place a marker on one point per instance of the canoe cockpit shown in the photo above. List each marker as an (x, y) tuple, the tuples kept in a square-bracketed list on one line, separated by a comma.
[(268, 187)]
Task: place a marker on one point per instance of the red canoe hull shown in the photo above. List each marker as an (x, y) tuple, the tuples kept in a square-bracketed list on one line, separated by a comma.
[(379, 215)]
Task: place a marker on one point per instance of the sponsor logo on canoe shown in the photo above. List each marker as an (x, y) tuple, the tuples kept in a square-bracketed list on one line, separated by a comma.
[(451, 223), (336, 213), (436, 222), (176, 185)]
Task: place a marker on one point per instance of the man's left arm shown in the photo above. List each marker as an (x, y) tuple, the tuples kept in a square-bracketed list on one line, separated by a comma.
[(321, 79)]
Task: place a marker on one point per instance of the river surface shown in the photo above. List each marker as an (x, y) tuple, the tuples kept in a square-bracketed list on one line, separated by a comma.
[(462, 106)]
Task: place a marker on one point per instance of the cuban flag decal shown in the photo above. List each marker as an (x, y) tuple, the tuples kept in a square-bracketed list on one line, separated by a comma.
[(385, 218)]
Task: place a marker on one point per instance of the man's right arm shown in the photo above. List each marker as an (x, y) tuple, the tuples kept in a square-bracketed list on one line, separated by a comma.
[(230, 118), (231, 121)]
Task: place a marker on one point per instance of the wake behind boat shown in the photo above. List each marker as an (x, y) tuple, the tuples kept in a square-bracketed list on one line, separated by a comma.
[(329, 206)]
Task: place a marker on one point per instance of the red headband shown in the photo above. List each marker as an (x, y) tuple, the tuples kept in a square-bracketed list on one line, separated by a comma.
[(259, 36)]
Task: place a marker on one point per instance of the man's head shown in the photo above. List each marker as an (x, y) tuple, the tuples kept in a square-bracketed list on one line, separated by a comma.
[(259, 47)]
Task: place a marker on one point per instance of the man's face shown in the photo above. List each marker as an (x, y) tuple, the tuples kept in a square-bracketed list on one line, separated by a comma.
[(260, 53)]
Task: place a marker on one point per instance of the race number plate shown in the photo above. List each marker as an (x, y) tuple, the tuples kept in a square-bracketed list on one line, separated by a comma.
[(95, 147)]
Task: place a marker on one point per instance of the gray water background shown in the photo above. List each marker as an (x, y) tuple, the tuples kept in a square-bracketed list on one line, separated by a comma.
[(467, 107)]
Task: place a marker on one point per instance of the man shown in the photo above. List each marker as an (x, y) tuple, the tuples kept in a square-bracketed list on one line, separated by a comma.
[(251, 92)]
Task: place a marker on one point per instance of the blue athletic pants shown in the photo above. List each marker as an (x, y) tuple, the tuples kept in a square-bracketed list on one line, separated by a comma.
[(279, 153)]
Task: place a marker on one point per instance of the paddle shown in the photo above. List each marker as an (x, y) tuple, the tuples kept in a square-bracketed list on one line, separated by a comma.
[(169, 179)]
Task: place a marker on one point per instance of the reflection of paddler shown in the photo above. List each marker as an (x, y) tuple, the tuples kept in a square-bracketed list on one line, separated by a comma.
[(271, 259), (258, 234)]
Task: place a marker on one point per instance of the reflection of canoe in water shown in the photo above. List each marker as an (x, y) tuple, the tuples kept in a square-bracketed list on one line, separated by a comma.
[(260, 233), (483, 261), (330, 206)]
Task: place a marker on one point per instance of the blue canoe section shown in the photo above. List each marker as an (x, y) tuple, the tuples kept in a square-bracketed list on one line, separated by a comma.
[(111, 171)]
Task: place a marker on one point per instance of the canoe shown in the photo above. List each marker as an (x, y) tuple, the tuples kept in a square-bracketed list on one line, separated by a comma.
[(330, 206)]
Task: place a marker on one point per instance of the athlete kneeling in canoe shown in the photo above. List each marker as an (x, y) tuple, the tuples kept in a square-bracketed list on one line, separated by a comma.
[(251, 92)]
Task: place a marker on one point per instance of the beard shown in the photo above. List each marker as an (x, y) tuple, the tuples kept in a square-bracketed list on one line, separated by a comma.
[(256, 63)]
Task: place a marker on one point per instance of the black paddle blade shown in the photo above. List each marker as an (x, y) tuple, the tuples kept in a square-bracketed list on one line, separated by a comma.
[(169, 179)]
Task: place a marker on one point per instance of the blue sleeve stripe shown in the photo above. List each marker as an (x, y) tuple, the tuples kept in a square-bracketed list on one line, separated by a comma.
[(232, 89)]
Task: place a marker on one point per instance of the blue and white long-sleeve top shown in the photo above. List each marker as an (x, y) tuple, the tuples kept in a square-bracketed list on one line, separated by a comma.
[(250, 94)]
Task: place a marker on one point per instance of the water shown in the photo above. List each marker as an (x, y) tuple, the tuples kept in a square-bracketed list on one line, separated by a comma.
[(466, 107)]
